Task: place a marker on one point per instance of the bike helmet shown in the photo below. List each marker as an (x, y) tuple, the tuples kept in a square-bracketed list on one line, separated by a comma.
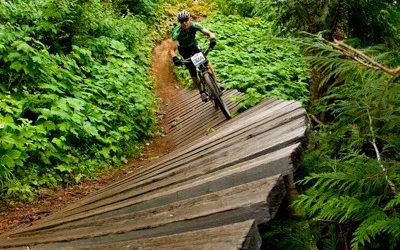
[(183, 15)]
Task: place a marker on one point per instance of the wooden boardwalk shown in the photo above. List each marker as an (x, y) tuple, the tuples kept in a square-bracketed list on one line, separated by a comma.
[(225, 178)]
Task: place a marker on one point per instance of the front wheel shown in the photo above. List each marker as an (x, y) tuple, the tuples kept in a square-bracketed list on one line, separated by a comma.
[(215, 93)]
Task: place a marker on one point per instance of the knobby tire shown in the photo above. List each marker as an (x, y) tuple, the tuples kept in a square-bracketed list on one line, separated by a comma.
[(214, 91)]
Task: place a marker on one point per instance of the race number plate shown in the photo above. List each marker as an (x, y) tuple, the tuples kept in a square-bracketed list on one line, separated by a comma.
[(198, 59)]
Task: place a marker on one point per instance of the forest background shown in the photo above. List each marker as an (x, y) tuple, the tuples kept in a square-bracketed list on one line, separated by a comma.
[(77, 99)]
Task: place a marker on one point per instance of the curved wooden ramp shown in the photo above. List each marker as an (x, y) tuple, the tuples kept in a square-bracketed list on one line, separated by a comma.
[(209, 194)]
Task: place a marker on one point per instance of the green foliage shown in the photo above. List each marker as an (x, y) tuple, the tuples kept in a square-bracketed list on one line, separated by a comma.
[(297, 233), (148, 10), (247, 8), (373, 21), (356, 156), (251, 58), (237, 7), (75, 95)]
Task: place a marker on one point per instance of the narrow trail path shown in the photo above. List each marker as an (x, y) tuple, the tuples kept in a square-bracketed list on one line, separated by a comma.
[(50, 201)]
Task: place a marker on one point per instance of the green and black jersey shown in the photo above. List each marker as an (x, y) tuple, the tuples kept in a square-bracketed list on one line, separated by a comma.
[(186, 38)]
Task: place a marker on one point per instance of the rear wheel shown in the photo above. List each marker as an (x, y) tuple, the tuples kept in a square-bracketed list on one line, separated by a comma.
[(215, 92)]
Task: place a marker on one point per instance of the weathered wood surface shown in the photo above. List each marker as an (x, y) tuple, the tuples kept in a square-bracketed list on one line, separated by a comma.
[(231, 236), (208, 194), (192, 118)]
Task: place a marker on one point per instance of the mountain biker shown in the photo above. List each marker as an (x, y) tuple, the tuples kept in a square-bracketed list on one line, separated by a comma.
[(184, 35)]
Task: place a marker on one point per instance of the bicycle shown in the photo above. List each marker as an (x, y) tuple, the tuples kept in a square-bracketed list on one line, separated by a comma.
[(208, 82)]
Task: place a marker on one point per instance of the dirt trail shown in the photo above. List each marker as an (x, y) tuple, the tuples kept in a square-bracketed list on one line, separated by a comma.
[(50, 201), (167, 86)]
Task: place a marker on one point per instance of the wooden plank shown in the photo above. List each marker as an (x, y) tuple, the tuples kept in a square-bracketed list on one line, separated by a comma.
[(197, 167), (214, 140), (223, 218), (226, 132), (248, 146), (194, 132), (196, 164), (232, 236), (250, 194), (208, 142), (261, 167), (204, 113), (189, 110), (112, 194), (182, 105), (192, 102), (226, 151), (238, 126), (198, 128), (200, 113)]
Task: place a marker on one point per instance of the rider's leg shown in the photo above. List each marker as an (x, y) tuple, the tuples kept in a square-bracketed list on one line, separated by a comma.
[(186, 53), (196, 82)]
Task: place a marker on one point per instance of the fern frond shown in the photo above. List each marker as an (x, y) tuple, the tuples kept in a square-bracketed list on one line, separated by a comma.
[(292, 234), (374, 226), (394, 203)]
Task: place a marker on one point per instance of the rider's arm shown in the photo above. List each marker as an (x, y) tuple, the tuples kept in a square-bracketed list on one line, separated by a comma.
[(208, 33), (172, 53), (211, 35)]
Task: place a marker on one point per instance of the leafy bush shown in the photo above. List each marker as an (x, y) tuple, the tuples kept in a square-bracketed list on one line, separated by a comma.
[(237, 7), (298, 234), (148, 10), (75, 95)]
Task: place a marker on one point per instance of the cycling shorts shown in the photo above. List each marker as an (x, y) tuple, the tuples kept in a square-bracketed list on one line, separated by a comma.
[(188, 52)]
